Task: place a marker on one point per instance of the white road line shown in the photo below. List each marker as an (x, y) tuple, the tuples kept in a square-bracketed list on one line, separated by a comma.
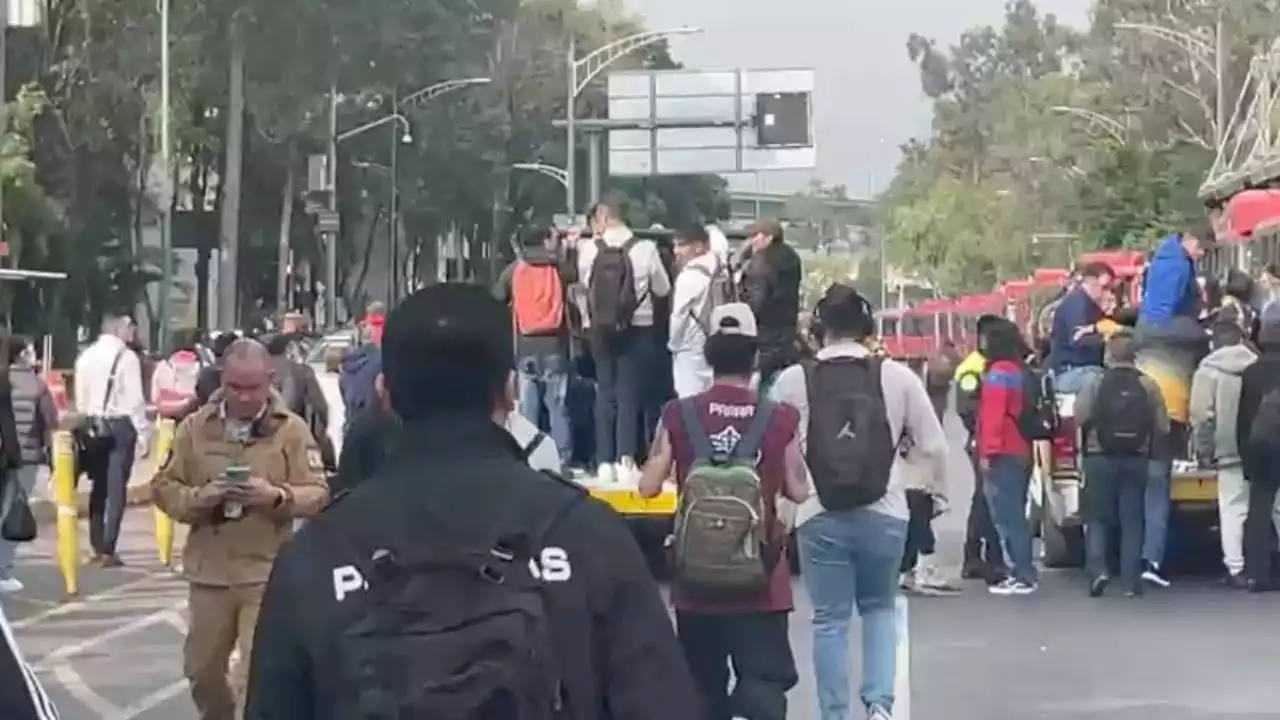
[(152, 701), (87, 601), (76, 687), (902, 674), (64, 652)]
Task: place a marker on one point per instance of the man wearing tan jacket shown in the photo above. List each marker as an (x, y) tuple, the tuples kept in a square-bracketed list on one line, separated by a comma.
[(240, 471)]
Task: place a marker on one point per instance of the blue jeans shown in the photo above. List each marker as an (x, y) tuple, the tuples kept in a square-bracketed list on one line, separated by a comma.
[(852, 556), (1113, 489), (1070, 381), (1158, 500), (544, 382), (1007, 482)]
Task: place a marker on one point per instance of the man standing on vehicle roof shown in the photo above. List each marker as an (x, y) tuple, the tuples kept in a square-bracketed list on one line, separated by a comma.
[(1075, 345), (771, 286)]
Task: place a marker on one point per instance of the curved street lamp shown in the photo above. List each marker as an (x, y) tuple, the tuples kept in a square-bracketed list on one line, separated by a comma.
[(582, 71), (552, 171)]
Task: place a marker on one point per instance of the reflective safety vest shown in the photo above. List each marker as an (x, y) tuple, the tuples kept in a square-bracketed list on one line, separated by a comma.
[(968, 382)]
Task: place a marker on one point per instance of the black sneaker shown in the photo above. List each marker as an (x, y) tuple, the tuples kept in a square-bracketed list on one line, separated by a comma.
[(1153, 575), (1259, 586), (1098, 586), (1235, 581)]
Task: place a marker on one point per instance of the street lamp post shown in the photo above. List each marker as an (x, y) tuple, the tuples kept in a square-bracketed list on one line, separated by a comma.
[(166, 202), (580, 74), (555, 173)]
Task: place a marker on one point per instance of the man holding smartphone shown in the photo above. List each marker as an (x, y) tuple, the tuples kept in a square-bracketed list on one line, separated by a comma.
[(240, 471)]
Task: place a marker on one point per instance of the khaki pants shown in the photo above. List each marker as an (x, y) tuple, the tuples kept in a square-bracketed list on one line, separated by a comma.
[(222, 619)]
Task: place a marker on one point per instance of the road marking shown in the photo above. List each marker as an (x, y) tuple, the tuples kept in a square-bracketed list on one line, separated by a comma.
[(69, 650), (87, 601), (77, 688), (902, 671), (152, 701)]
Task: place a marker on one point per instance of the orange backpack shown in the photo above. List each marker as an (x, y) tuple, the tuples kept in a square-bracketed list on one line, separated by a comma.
[(537, 298)]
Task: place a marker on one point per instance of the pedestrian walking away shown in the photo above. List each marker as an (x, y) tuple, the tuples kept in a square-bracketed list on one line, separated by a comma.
[(240, 471), (854, 409), (1122, 418), (35, 418), (735, 458), (113, 428), (397, 600)]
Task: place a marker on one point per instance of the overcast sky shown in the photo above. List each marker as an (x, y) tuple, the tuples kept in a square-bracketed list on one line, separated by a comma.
[(868, 98)]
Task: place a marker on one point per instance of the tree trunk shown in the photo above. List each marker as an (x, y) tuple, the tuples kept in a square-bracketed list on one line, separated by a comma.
[(286, 227), (228, 277)]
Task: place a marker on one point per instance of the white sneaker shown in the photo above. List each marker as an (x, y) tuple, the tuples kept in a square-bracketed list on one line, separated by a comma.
[(876, 712), (11, 585), (931, 579), (607, 473), (628, 473)]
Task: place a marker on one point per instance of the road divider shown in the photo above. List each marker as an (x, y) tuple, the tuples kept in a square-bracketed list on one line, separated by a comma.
[(164, 523), (68, 526)]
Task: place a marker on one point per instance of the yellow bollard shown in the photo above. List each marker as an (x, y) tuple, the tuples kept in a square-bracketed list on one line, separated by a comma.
[(164, 523), (64, 493)]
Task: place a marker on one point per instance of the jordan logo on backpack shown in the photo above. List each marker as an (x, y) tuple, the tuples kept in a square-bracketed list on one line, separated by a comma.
[(846, 432)]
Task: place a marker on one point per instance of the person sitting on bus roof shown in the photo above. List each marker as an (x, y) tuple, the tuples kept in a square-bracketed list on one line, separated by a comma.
[(1075, 343), (1169, 288)]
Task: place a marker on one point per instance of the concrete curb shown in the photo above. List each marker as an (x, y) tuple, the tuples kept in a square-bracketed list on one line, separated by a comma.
[(46, 510)]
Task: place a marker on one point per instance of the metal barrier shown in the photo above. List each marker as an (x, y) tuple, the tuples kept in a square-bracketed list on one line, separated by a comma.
[(164, 523), (64, 493)]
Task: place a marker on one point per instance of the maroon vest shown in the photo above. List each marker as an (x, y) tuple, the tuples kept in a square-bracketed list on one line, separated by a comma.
[(726, 412)]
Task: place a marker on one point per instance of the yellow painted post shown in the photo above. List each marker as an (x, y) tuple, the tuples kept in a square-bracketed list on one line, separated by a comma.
[(164, 523), (64, 493)]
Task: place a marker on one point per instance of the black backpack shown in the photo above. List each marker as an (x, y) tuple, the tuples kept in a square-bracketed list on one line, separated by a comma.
[(850, 448), (1264, 433), (456, 633), (1038, 419), (611, 294), (1122, 417)]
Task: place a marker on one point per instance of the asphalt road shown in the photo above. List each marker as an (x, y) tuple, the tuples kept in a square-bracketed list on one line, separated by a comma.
[(1193, 652)]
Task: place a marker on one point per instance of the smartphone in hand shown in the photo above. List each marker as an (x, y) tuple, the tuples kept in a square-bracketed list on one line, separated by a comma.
[(235, 475)]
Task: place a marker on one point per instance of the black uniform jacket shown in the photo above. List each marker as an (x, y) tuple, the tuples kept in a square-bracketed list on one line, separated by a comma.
[(616, 649)]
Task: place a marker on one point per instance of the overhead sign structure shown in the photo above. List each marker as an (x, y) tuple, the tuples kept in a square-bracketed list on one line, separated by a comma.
[(685, 122)]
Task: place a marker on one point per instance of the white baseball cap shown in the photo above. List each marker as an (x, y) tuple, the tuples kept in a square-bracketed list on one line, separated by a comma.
[(734, 319)]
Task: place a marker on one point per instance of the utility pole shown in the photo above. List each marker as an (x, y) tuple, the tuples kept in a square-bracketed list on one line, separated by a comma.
[(166, 202), (331, 236), (570, 130), (393, 216)]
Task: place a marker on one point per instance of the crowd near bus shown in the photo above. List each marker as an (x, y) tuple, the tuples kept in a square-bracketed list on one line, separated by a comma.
[(448, 560)]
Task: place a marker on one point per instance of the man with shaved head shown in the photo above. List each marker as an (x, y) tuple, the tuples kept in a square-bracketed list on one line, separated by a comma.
[(240, 471)]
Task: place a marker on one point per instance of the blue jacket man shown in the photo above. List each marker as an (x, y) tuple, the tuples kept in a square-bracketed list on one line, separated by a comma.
[(1169, 287)]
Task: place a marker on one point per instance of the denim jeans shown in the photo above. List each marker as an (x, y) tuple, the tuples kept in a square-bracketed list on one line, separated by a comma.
[(1008, 479), (1156, 514), (25, 478), (543, 381), (852, 556), (757, 645), (1070, 381), (1114, 489), (620, 380), (981, 540)]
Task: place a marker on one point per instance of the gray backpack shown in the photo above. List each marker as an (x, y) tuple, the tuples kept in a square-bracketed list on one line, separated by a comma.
[(720, 290), (722, 543)]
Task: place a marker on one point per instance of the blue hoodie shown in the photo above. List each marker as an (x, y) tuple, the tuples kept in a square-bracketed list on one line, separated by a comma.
[(360, 370), (1169, 287)]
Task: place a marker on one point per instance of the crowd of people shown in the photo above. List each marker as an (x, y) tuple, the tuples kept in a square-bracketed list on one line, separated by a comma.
[(446, 563)]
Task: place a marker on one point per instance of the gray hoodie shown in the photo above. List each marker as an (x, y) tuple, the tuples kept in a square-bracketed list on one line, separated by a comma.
[(33, 413), (1215, 401)]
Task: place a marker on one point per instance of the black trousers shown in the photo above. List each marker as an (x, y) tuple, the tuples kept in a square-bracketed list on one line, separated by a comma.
[(759, 649), (920, 537), (109, 474), (981, 541), (1259, 532)]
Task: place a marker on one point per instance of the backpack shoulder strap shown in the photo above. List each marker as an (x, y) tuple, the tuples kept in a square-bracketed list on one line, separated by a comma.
[(529, 447), (694, 430), (752, 440)]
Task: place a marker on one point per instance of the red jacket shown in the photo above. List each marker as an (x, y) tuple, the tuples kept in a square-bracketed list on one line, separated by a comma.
[(999, 404)]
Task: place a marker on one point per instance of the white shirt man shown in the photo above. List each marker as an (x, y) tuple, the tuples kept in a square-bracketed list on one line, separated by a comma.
[(108, 381), (686, 336)]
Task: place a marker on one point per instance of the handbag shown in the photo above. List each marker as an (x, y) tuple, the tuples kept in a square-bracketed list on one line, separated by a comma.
[(92, 432), (19, 524)]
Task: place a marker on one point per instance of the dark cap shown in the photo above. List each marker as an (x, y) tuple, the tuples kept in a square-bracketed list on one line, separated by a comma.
[(767, 226)]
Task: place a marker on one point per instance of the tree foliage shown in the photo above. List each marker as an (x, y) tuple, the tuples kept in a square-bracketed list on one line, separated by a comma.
[(1100, 136), (83, 182)]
